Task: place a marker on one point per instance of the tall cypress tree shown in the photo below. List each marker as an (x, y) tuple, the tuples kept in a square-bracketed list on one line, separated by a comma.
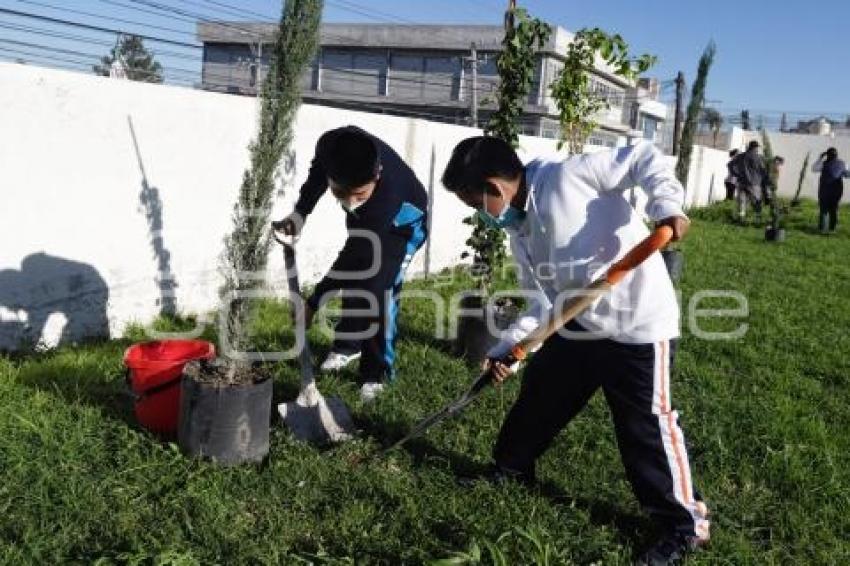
[(247, 247), (686, 146)]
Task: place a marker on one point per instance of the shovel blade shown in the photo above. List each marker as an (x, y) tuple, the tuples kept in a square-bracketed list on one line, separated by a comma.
[(316, 419)]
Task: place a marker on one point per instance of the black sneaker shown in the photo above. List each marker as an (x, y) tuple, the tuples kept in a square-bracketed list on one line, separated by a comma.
[(670, 549)]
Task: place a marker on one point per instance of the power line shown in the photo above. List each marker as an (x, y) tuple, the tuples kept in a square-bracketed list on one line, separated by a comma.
[(230, 11), (195, 15), (68, 64), (108, 18), (89, 40), (230, 6), (96, 28), (367, 11), (146, 11), (97, 58)]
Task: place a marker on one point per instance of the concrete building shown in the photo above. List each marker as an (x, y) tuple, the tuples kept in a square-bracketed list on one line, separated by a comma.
[(823, 126), (425, 71)]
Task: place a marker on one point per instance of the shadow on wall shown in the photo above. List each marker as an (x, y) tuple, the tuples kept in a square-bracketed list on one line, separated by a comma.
[(152, 205), (47, 286)]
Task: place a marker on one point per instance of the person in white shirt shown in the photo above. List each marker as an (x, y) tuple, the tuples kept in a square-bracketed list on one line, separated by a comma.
[(568, 221)]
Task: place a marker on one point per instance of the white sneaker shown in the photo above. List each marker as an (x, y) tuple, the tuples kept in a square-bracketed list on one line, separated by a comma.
[(368, 391), (336, 361)]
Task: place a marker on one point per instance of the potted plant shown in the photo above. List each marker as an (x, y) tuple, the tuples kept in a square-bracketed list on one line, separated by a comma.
[(226, 403), (523, 36), (474, 334), (673, 257), (775, 230)]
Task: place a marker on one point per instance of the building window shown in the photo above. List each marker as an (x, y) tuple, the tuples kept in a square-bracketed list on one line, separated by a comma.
[(353, 72), (603, 140), (650, 128), (419, 78), (610, 94), (550, 129)]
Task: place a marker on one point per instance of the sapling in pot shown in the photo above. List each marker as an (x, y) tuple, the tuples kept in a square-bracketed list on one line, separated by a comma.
[(226, 403), (775, 230), (795, 202), (523, 37)]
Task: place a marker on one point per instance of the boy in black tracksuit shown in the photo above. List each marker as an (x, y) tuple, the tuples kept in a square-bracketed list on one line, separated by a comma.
[(383, 198)]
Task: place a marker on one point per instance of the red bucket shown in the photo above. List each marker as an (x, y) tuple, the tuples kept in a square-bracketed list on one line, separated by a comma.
[(155, 369)]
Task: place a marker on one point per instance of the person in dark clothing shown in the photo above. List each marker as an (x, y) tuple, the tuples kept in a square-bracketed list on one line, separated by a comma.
[(386, 216), (752, 177), (731, 182), (830, 187)]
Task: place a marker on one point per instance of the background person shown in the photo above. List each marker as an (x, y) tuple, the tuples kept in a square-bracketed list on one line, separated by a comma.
[(830, 187)]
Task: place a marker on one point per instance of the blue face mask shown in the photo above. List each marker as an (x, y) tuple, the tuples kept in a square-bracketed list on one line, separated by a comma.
[(509, 217)]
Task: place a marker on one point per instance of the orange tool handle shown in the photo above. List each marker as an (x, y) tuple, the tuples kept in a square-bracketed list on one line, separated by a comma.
[(638, 254)]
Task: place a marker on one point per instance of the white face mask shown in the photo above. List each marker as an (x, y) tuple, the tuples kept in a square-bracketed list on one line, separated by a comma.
[(350, 207)]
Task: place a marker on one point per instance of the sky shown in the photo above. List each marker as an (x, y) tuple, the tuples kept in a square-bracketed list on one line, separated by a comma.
[(772, 57)]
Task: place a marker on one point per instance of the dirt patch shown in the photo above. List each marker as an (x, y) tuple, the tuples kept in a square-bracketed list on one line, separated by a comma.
[(226, 373)]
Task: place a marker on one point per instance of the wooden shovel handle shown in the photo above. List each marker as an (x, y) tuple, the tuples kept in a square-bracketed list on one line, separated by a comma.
[(572, 308)]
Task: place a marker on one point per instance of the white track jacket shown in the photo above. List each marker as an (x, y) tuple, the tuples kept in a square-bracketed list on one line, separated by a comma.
[(578, 222)]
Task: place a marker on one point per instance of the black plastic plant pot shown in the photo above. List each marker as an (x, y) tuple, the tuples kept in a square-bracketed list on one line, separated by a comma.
[(474, 338), (774, 234), (228, 424), (675, 262)]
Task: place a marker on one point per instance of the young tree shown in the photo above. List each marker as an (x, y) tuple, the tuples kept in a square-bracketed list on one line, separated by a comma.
[(796, 200), (137, 62), (694, 107), (524, 36), (578, 104), (772, 183), (247, 247)]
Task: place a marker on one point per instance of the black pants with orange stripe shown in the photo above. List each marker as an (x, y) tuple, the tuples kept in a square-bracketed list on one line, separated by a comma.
[(559, 381)]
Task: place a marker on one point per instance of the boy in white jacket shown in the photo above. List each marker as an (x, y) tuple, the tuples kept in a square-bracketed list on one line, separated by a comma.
[(568, 221)]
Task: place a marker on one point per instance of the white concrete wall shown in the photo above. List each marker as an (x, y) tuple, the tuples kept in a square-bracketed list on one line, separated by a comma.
[(706, 176), (793, 147), (76, 250)]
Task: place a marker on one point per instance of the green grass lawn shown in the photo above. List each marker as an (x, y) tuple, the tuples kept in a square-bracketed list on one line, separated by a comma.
[(767, 418)]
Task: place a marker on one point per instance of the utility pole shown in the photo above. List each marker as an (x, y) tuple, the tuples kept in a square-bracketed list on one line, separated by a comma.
[(677, 121), (257, 65), (473, 91), (509, 15)]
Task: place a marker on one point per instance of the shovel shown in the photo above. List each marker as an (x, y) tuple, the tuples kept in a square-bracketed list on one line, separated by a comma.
[(652, 243), (311, 417)]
